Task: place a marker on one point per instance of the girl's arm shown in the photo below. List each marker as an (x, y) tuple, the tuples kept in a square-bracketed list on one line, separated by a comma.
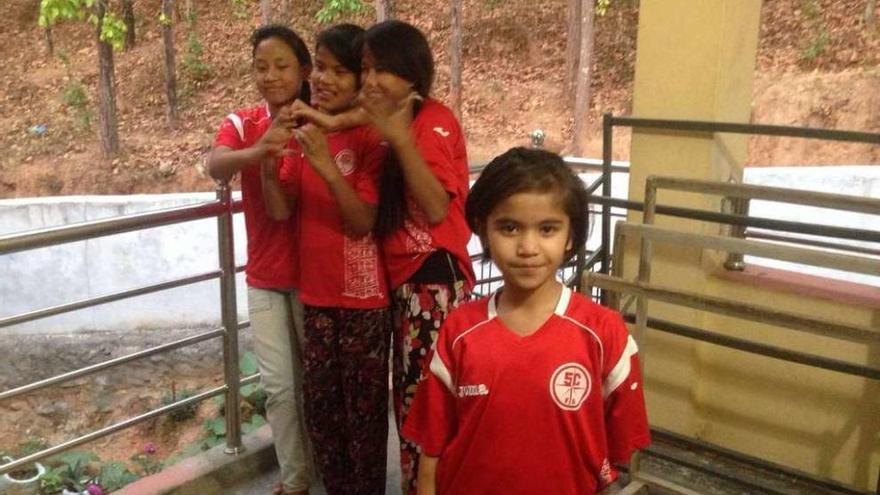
[(358, 215), (420, 180), (224, 162), (279, 205), (346, 120), (427, 476)]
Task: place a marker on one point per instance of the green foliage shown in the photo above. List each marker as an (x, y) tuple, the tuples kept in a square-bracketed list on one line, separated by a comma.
[(247, 363), (114, 475), (51, 481), (192, 62), (602, 7), (75, 97), (184, 413), (74, 477), (240, 9), (112, 29), (816, 46), (333, 9)]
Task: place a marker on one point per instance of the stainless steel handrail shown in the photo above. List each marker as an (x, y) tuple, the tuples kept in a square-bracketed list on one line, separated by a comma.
[(88, 370), (222, 208), (116, 296)]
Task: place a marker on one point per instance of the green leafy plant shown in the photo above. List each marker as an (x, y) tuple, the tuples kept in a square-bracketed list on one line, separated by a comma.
[(602, 7), (74, 96), (146, 460), (74, 477), (51, 482), (816, 46), (112, 28), (333, 9), (240, 9), (184, 413), (114, 475), (193, 63)]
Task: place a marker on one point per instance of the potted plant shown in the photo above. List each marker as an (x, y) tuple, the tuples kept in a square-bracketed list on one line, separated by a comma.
[(76, 481), (26, 479)]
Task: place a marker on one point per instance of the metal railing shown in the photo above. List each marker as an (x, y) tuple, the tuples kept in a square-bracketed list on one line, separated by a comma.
[(642, 289), (222, 209), (737, 217)]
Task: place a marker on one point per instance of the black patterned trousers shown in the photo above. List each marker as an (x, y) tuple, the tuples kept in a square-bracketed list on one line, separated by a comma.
[(346, 396)]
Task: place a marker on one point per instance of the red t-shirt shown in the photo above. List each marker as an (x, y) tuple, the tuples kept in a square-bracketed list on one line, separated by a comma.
[(440, 141), (271, 244), (337, 270), (545, 413)]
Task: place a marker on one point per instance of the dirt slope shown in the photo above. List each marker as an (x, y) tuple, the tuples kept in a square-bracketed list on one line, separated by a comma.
[(514, 53)]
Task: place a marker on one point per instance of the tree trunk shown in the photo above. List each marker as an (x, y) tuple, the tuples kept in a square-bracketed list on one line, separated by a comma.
[(455, 60), (870, 18), (107, 124), (170, 71), (384, 10), (128, 18), (572, 48), (582, 83), (50, 45), (265, 12)]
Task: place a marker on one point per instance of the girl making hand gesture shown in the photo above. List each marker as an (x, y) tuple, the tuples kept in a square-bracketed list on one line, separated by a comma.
[(247, 138), (334, 186), (420, 219)]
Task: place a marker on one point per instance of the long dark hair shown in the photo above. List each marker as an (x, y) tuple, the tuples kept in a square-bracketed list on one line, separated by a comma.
[(344, 41), (401, 49), (528, 170), (291, 39)]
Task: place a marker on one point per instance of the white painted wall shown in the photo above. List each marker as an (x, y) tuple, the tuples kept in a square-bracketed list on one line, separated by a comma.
[(36, 279), (31, 280)]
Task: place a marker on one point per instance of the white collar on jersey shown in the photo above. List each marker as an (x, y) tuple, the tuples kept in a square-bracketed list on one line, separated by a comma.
[(561, 304)]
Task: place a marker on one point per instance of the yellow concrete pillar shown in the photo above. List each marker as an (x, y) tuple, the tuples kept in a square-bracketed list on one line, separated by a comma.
[(696, 61)]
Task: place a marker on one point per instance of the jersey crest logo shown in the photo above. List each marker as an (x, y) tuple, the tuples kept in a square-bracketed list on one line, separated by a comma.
[(345, 161), (569, 386), (443, 132), (473, 390)]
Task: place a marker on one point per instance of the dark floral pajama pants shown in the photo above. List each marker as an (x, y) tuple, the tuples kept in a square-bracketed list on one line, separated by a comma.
[(346, 396), (418, 310)]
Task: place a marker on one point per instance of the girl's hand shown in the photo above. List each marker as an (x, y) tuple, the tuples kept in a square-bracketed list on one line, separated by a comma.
[(314, 146), (391, 119), (302, 112), (273, 143)]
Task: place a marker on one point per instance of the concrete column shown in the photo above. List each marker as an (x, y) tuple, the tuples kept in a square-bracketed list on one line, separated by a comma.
[(695, 61)]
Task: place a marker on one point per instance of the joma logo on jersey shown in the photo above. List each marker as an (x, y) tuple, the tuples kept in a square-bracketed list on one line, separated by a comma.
[(472, 390), (569, 386)]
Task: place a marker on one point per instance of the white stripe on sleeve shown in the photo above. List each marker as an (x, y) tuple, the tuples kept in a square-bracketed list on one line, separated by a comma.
[(236, 121), (440, 371), (621, 370)]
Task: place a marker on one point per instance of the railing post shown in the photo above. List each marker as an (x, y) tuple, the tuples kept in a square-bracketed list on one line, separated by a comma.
[(229, 315), (607, 134), (738, 206)]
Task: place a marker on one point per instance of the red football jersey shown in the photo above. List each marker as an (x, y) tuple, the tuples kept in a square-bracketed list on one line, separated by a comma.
[(337, 270), (440, 141), (272, 245), (545, 413)]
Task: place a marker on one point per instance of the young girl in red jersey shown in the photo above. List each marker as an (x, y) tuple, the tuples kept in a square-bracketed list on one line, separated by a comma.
[(534, 389), (334, 186), (421, 209), (247, 137)]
